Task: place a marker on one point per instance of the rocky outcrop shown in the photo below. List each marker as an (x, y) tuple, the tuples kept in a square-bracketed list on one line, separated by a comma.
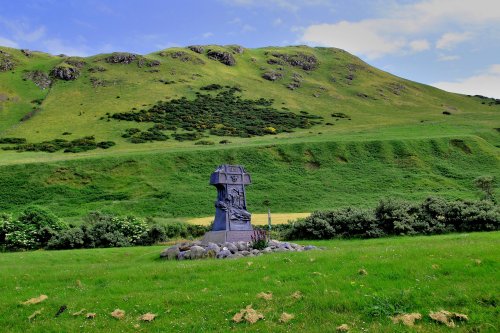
[(65, 72), (41, 79), (182, 56), (7, 63), (27, 53), (120, 58), (197, 250), (296, 81), (197, 48), (75, 62), (272, 76), (144, 62), (305, 61), (225, 58)]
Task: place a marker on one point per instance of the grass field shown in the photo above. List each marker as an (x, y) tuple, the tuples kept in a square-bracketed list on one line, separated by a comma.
[(457, 272)]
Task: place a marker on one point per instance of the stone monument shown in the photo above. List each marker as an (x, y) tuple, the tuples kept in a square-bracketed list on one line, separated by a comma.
[(232, 220)]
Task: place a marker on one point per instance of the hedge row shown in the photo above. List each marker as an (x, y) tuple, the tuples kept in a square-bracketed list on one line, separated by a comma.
[(37, 228), (396, 217)]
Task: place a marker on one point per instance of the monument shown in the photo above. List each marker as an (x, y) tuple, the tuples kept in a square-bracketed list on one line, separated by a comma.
[(232, 221)]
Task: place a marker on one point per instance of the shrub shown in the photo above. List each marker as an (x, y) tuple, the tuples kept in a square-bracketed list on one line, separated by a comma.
[(259, 239), (204, 143), (31, 230), (73, 238), (397, 217)]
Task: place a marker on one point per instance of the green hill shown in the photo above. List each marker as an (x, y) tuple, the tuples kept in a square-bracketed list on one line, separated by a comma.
[(316, 127)]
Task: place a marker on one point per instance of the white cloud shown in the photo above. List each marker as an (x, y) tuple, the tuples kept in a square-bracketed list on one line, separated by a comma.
[(450, 40), (443, 57), (486, 83), (359, 38), (207, 35), (8, 43), (495, 69), (420, 45), (404, 28)]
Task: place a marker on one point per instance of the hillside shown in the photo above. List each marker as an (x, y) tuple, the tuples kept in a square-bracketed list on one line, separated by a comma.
[(316, 127)]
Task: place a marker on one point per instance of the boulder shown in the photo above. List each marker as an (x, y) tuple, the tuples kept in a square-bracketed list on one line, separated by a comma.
[(272, 76), (225, 58), (182, 255), (214, 247), (26, 52), (196, 48), (224, 254), (309, 247), (255, 252), (197, 252), (231, 247), (65, 72), (170, 253), (242, 246), (244, 253)]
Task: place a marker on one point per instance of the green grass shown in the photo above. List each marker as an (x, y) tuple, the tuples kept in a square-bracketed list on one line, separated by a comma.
[(456, 272)]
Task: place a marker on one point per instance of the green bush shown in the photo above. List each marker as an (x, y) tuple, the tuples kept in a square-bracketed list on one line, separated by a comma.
[(31, 230), (73, 238), (225, 113), (396, 217)]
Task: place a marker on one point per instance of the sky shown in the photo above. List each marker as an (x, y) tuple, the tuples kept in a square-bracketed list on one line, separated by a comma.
[(451, 44)]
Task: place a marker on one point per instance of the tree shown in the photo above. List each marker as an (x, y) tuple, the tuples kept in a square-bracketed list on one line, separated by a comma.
[(486, 184)]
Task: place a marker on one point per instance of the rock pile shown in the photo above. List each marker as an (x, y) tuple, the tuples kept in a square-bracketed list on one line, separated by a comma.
[(197, 250)]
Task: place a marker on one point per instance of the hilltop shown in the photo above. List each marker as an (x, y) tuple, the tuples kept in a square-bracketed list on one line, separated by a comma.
[(317, 127)]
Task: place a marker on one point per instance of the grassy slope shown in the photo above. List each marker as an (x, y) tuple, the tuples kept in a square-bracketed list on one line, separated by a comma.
[(294, 177), (418, 274), (395, 145)]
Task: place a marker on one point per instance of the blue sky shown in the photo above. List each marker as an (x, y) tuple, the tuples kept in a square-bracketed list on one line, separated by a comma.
[(451, 44)]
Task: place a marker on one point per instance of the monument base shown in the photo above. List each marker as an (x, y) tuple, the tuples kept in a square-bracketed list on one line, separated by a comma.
[(223, 236)]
